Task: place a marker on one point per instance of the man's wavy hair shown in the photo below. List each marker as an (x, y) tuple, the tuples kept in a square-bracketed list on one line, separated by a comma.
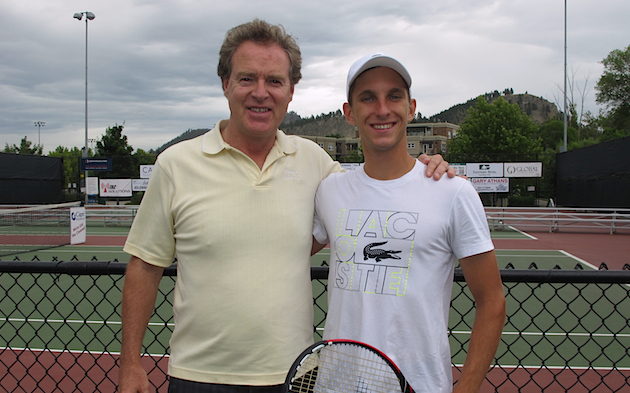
[(261, 32)]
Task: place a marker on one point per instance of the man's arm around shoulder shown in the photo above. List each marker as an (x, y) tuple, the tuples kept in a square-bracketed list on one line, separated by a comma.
[(484, 281), (138, 300)]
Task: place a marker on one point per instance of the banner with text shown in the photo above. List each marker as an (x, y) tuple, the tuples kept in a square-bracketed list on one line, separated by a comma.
[(498, 184), (522, 169), (115, 188), (77, 225), (492, 169), (145, 171), (139, 184), (460, 169), (97, 164)]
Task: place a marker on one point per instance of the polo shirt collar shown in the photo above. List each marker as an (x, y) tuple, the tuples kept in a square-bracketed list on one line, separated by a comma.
[(213, 142)]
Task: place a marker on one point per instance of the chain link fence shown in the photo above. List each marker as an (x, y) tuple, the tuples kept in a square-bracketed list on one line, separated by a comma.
[(566, 330)]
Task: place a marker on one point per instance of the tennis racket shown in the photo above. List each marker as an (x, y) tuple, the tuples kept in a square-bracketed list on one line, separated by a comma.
[(344, 366)]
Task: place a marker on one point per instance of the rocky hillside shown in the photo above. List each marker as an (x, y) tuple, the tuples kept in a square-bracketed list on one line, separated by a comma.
[(537, 108), (323, 125), (334, 123)]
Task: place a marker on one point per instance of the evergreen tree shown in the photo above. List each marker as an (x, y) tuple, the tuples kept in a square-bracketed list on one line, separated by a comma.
[(497, 132), (24, 148), (114, 144)]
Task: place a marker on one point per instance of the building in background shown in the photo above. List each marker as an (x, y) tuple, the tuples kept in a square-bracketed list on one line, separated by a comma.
[(428, 138)]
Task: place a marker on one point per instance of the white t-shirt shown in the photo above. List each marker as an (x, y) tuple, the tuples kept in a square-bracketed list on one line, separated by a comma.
[(394, 245)]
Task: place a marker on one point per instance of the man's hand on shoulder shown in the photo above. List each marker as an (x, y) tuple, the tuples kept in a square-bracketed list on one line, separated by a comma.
[(436, 166)]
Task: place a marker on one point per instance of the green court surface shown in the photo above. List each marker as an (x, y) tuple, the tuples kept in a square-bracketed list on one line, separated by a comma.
[(60, 312)]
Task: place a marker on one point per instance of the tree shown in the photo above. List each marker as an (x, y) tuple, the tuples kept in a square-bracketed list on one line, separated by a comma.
[(114, 144), (614, 84), (495, 132), (145, 158), (614, 91), (24, 148), (71, 165)]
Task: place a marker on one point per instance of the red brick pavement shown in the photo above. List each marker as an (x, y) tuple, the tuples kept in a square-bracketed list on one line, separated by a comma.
[(614, 250)]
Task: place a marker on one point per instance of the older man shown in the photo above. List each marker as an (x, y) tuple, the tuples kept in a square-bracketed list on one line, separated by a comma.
[(235, 206)]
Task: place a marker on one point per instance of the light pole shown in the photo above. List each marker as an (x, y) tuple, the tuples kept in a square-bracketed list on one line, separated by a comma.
[(564, 146), (39, 124), (88, 16)]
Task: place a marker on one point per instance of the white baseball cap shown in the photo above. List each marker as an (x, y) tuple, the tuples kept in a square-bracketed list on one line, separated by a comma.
[(375, 60)]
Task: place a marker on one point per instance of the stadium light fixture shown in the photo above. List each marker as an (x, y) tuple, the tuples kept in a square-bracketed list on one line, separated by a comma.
[(88, 16), (39, 124)]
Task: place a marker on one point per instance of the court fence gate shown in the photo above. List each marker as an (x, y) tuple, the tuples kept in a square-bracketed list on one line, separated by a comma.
[(566, 330)]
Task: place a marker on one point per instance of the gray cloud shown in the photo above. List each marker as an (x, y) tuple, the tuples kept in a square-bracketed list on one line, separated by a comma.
[(152, 64)]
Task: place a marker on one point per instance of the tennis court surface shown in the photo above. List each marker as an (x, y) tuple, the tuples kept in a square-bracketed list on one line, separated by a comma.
[(64, 329)]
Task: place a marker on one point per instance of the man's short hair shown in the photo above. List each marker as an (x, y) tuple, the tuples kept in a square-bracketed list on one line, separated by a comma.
[(261, 32)]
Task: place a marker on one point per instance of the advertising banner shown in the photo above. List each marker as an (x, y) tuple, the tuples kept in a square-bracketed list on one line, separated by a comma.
[(350, 166), (522, 169), (493, 169), (139, 184), (77, 225), (96, 164), (460, 169), (499, 184), (115, 188), (145, 171)]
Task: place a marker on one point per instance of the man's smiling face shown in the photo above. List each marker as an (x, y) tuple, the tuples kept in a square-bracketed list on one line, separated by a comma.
[(381, 109), (258, 89)]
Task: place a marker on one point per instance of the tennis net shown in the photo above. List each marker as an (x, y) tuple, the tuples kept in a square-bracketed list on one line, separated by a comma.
[(24, 229)]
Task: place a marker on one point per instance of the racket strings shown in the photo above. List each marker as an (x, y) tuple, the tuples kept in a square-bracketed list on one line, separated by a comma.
[(345, 368)]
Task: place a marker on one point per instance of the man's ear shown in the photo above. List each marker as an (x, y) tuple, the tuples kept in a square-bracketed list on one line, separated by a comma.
[(347, 111), (225, 85), (292, 91), (412, 110)]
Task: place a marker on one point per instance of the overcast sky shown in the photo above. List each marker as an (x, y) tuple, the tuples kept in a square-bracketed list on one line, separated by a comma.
[(152, 63)]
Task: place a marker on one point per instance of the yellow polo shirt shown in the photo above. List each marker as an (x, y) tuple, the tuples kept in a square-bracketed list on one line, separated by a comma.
[(242, 237)]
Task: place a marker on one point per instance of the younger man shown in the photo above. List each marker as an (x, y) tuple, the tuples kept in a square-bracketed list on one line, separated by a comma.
[(395, 236)]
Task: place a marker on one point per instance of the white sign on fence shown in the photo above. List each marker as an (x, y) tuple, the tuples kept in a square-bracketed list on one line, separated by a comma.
[(522, 169), (115, 188), (145, 171), (493, 169), (77, 225), (460, 169), (350, 166), (92, 185), (498, 184), (139, 184)]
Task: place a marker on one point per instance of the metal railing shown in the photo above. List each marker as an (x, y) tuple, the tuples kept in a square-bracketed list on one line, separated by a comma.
[(566, 330), (552, 219), (559, 219)]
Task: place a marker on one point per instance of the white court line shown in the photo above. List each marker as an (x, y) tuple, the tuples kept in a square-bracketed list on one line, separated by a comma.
[(79, 352), (561, 368), (530, 256), (78, 321), (582, 261), (522, 233), (543, 334), (156, 355)]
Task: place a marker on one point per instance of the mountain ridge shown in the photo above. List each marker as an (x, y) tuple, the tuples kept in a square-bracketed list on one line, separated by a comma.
[(335, 124)]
